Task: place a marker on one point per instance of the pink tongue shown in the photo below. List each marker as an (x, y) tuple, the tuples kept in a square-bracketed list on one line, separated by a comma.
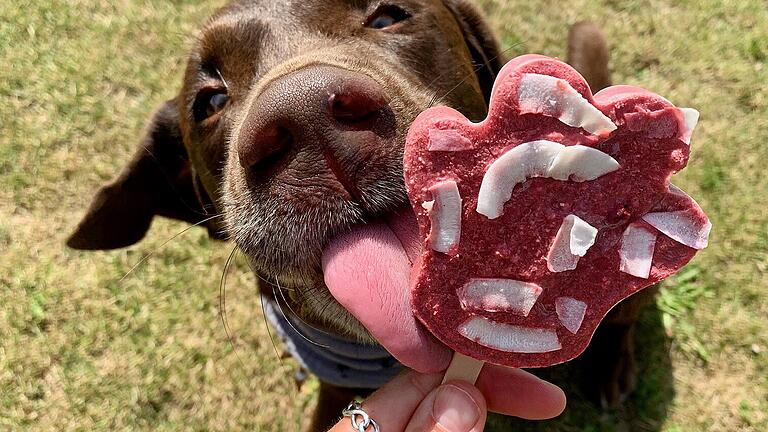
[(367, 271)]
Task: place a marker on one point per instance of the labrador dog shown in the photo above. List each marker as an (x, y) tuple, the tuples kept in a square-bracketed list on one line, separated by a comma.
[(291, 121)]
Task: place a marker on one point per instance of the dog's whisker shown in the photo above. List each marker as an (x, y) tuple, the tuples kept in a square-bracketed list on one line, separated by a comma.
[(288, 320), (298, 316), (268, 282), (437, 78), (477, 69), (276, 286), (148, 255), (223, 294), (327, 304), (433, 100), (223, 305), (269, 332)]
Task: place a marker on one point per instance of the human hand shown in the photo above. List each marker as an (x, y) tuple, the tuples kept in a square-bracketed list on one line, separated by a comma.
[(417, 402)]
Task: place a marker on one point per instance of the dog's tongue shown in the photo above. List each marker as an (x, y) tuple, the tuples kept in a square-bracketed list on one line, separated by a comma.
[(367, 271)]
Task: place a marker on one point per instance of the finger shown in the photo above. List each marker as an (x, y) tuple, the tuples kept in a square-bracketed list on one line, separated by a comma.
[(393, 405), (453, 407), (507, 391), (518, 393)]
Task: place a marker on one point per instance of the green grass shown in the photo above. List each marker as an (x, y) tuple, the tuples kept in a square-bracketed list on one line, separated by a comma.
[(81, 350)]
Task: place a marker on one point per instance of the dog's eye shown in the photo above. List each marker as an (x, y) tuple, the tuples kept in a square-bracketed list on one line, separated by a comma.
[(386, 16), (210, 102)]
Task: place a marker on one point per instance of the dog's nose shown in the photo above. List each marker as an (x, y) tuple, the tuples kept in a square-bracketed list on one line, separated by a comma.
[(317, 105)]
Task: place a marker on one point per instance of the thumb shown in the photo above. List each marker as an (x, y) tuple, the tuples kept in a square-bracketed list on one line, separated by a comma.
[(453, 407)]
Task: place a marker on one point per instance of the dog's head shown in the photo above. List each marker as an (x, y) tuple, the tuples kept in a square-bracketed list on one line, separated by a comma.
[(291, 121)]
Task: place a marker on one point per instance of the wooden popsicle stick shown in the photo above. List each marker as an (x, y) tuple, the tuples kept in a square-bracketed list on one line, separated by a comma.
[(463, 368)]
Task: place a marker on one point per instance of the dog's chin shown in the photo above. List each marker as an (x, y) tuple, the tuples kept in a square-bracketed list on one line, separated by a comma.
[(302, 292), (323, 309), (286, 252)]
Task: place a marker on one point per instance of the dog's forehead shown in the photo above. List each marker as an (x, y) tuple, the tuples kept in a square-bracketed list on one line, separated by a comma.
[(268, 6), (264, 33), (245, 31), (293, 14)]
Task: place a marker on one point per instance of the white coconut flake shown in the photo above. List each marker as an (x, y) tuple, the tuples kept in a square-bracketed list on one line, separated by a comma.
[(682, 226), (509, 338), (531, 159), (445, 216), (448, 140), (539, 158), (555, 97), (499, 295), (570, 312), (427, 205), (677, 191), (636, 251), (691, 118), (581, 163), (582, 236), (573, 240), (560, 258)]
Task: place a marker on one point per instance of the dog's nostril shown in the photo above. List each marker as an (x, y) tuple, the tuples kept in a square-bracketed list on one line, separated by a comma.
[(266, 147), (310, 113), (356, 105)]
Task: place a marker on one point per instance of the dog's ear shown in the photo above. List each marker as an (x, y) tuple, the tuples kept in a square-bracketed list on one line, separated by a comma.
[(481, 42), (157, 181)]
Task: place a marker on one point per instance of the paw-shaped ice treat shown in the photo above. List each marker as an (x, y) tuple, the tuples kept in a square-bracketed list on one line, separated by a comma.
[(541, 218)]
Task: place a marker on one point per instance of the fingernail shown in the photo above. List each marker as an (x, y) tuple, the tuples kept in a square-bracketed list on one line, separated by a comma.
[(454, 409)]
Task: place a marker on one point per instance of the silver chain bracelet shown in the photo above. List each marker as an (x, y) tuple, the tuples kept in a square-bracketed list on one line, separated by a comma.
[(360, 419)]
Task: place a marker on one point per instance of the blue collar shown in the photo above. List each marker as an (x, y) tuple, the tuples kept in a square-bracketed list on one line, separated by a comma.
[(334, 359)]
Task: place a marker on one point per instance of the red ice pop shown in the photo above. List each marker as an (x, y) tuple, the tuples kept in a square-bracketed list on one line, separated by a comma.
[(541, 218)]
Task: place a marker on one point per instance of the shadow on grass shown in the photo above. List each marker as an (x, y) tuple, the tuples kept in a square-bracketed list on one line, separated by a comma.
[(644, 410)]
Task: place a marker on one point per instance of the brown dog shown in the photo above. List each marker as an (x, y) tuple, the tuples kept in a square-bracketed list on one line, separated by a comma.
[(291, 121)]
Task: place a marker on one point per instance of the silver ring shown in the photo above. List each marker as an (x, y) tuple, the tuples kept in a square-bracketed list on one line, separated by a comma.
[(361, 421)]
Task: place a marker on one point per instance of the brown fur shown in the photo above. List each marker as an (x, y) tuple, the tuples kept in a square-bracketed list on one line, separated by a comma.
[(186, 168), (588, 53)]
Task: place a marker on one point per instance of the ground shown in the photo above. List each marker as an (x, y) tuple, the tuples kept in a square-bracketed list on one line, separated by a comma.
[(81, 349)]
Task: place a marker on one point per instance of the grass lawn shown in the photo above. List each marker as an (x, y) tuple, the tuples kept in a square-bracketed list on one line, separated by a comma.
[(82, 350)]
